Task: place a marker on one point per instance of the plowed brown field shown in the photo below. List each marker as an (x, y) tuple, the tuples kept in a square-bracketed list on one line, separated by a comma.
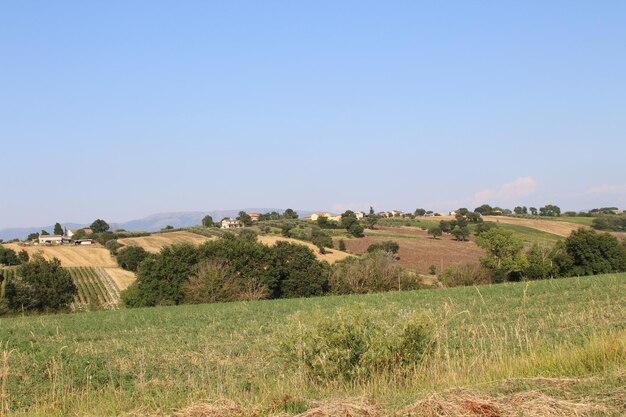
[(417, 250)]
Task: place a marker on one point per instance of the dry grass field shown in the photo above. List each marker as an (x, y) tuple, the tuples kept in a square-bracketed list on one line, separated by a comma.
[(559, 228), (71, 255), (155, 242), (331, 255), (121, 277), (417, 250)]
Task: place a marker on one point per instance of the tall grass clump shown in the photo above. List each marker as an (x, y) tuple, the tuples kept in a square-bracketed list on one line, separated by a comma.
[(354, 343)]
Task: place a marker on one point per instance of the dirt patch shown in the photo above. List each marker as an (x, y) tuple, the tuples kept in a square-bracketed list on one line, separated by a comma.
[(344, 407), (418, 251), (331, 255), (155, 242), (550, 226), (71, 255)]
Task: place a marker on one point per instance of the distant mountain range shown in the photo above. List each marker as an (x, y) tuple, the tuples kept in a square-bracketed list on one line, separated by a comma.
[(151, 223)]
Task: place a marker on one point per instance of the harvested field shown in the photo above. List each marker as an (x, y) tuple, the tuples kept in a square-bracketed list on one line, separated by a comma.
[(559, 228), (155, 242), (331, 255), (121, 277), (71, 255), (417, 250)]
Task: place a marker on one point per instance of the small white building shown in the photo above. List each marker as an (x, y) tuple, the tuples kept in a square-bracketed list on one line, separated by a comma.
[(231, 223), (53, 239)]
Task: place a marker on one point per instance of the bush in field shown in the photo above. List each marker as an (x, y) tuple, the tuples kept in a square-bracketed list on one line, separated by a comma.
[(321, 239), (352, 344), (586, 252), (387, 246), (463, 275), (611, 223), (356, 230), (113, 246), (505, 256), (23, 256), (298, 272), (8, 257), (160, 278), (40, 285), (342, 245), (213, 281), (435, 232), (131, 257), (540, 265), (374, 272)]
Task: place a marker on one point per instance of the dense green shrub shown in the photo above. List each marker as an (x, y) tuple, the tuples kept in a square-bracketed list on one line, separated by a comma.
[(40, 285), (113, 246), (160, 278), (131, 257), (465, 274), (374, 272), (586, 252), (227, 269), (610, 223), (387, 246), (8, 257), (352, 343)]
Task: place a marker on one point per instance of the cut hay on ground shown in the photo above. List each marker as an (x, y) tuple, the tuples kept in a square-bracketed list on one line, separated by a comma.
[(527, 404), (457, 404), (331, 255), (155, 242)]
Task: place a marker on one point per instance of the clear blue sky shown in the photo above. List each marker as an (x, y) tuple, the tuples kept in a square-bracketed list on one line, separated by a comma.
[(120, 109)]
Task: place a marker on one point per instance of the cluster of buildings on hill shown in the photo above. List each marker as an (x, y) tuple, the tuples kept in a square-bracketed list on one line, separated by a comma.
[(65, 239)]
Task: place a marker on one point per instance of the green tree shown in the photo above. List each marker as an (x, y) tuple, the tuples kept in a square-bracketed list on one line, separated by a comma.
[(539, 264), (79, 234), (356, 230), (58, 229), (533, 211), (99, 226), (207, 221), (245, 218), (342, 245), (45, 233), (160, 278), (32, 236), (299, 272), (484, 210), (461, 233), (420, 212), (371, 220), (586, 252), (131, 257), (435, 232), (504, 254), (40, 285), (290, 214), (23, 256)]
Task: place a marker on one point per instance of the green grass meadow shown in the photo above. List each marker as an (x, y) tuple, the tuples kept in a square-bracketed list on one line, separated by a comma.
[(157, 360)]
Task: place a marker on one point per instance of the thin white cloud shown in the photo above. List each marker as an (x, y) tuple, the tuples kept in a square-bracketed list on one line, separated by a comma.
[(606, 189), (508, 193)]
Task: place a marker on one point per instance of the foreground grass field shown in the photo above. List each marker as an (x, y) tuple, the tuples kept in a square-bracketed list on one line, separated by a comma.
[(563, 338)]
